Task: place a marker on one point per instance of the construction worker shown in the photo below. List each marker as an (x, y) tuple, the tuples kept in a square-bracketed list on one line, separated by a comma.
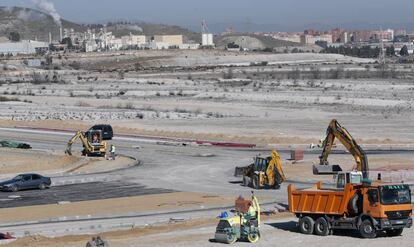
[(112, 151)]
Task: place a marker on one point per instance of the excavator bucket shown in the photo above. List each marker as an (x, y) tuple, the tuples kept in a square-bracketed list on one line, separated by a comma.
[(326, 169)]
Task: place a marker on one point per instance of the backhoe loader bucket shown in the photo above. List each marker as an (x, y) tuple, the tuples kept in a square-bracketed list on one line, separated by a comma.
[(68, 150), (326, 169)]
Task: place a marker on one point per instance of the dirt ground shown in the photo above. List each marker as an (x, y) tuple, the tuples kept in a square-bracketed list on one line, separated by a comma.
[(14, 161), (275, 229), (20, 161), (131, 237)]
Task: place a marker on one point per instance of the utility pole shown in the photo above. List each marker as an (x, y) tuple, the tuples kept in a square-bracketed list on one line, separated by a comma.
[(381, 58)]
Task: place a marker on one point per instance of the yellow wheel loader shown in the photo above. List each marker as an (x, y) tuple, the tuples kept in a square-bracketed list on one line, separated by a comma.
[(244, 225), (264, 172), (92, 143)]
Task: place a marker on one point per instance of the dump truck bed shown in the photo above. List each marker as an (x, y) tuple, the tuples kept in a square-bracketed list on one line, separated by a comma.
[(316, 200)]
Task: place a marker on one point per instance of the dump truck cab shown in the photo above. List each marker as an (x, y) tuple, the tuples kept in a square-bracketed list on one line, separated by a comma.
[(388, 206)]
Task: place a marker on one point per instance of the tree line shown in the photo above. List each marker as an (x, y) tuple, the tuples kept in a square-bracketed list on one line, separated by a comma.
[(364, 51)]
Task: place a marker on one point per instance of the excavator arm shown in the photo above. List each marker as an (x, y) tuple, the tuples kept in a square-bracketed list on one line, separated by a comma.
[(335, 130), (71, 141)]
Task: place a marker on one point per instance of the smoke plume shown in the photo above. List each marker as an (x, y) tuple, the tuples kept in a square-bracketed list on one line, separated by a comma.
[(48, 7)]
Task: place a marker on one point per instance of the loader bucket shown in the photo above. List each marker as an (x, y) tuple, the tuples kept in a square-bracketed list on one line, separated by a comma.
[(326, 169), (239, 171)]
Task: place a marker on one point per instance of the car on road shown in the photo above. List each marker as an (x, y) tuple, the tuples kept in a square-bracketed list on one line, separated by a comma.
[(106, 130), (25, 182)]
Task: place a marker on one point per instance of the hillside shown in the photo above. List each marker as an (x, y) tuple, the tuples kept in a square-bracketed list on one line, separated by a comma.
[(32, 24), (124, 28), (252, 41)]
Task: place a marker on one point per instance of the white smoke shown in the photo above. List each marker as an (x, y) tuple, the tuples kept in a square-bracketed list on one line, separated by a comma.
[(48, 7)]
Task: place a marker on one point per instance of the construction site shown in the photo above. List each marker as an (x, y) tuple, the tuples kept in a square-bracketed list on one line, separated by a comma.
[(206, 147), (181, 125)]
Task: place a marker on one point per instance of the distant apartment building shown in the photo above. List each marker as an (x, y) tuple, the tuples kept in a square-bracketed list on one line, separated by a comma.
[(339, 36), (307, 39), (372, 35), (400, 32)]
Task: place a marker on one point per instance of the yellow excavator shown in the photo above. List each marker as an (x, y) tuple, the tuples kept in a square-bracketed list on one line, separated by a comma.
[(264, 172), (91, 141), (335, 130)]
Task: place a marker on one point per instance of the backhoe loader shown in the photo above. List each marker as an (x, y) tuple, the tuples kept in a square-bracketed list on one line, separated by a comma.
[(92, 143), (264, 172)]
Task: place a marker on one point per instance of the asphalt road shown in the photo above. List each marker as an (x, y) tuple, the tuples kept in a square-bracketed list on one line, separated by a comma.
[(163, 168), (75, 193)]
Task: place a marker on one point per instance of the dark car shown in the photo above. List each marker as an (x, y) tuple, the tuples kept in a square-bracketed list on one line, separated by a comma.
[(25, 182), (106, 130)]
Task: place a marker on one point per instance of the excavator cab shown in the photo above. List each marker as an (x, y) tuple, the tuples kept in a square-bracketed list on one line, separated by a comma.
[(343, 178), (94, 137)]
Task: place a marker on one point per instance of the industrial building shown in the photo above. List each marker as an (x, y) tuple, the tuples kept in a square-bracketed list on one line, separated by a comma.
[(207, 39), (23, 47), (173, 40), (133, 40)]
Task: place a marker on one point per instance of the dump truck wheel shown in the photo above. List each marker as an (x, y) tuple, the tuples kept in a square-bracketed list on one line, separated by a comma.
[(306, 225), (321, 227), (367, 230), (255, 182), (253, 237), (394, 232)]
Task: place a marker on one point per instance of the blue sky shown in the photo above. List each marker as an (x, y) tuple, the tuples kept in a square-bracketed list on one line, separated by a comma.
[(281, 13)]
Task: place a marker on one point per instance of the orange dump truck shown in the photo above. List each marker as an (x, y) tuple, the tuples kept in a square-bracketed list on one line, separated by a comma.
[(368, 208)]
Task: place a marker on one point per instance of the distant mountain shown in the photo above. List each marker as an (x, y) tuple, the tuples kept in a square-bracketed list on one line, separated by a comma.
[(34, 24), (243, 27)]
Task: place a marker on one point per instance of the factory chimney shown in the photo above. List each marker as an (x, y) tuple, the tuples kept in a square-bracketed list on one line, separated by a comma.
[(50, 38), (61, 33)]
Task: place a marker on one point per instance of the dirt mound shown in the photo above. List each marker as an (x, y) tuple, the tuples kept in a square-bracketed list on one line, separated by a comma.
[(20, 161)]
